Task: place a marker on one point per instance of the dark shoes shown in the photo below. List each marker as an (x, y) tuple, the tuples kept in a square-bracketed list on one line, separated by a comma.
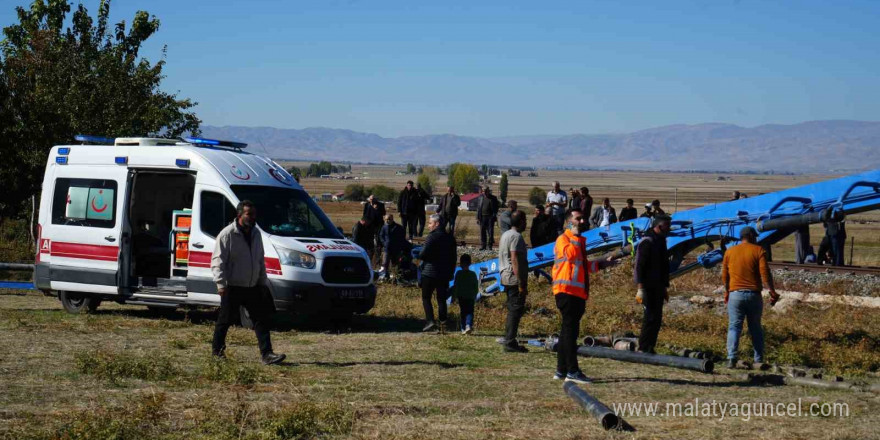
[(731, 363), (515, 349), (578, 377), (272, 358), (429, 326)]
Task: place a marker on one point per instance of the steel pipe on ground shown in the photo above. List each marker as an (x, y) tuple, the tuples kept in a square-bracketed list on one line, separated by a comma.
[(701, 365), (601, 341), (17, 267), (597, 409)]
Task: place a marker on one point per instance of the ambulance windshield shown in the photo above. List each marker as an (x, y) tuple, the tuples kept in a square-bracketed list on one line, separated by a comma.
[(287, 212)]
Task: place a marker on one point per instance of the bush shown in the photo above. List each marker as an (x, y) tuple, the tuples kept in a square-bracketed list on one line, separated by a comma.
[(114, 366), (537, 196), (355, 192), (146, 417), (231, 372), (383, 192)]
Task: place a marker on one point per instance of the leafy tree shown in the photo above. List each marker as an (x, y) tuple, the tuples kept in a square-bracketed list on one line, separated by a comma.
[(355, 192), (88, 78), (410, 168), (295, 172), (428, 179), (464, 177), (537, 196), (383, 192), (502, 188)]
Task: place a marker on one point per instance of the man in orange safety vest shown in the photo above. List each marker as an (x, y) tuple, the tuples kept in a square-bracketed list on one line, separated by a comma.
[(571, 288)]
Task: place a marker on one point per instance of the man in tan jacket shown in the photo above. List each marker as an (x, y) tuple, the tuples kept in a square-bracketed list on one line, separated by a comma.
[(239, 268)]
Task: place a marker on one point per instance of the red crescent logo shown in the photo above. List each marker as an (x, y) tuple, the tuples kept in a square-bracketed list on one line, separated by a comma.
[(95, 208), (240, 174)]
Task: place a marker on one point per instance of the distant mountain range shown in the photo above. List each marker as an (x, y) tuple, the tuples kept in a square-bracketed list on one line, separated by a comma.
[(816, 146)]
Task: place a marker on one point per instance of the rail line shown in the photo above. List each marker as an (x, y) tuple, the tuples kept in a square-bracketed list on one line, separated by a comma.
[(857, 270)]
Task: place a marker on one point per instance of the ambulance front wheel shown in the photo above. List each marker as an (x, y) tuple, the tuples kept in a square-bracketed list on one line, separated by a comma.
[(78, 302)]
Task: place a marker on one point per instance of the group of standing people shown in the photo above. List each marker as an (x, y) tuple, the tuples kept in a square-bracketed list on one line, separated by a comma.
[(411, 207), (242, 282)]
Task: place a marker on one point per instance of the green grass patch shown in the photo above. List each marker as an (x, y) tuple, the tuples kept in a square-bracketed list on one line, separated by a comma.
[(114, 366)]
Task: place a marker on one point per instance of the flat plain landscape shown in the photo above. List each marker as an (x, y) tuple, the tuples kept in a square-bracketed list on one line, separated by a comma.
[(127, 373)]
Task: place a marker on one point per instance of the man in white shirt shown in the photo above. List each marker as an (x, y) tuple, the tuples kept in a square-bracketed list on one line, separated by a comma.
[(557, 201)]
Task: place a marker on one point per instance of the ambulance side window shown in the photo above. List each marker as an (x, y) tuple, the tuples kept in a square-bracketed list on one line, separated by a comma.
[(84, 202), (216, 213)]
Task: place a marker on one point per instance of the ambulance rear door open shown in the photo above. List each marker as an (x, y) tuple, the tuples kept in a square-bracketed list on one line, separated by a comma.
[(83, 235)]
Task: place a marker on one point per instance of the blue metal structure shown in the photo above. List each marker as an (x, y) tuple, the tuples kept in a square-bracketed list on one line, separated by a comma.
[(774, 215)]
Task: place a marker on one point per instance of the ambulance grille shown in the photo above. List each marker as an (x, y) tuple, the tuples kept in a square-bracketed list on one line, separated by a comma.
[(345, 270)]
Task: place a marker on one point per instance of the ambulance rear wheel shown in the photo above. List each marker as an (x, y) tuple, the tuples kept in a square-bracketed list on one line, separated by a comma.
[(78, 302)]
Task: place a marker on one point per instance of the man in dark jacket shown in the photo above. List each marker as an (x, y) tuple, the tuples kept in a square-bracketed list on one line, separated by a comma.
[(629, 212), (504, 217), (438, 257), (374, 212), (651, 274), (421, 199), (406, 207), (448, 209), (394, 239), (836, 232), (586, 203), (362, 235), (487, 215), (536, 234)]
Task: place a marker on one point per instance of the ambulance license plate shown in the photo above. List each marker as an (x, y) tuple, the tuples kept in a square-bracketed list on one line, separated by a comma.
[(352, 293)]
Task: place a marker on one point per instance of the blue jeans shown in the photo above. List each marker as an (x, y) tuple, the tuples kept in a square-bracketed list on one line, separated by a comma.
[(745, 305), (467, 312)]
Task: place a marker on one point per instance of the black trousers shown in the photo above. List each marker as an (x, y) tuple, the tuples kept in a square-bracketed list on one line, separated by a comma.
[(252, 300), (837, 248), (652, 319), (421, 220), (572, 310), (824, 247), (429, 285), (487, 232), (448, 221), (516, 305)]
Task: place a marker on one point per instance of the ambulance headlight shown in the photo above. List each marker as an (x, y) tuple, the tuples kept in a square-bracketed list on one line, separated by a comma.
[(290, 257)]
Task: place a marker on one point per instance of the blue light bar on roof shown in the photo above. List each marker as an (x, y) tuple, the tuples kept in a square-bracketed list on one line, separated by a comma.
[(214, 142), (94, 139)]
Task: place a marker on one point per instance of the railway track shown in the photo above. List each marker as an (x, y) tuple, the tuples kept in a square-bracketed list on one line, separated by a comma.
[(783, 265), (857, 270), (420, 240)]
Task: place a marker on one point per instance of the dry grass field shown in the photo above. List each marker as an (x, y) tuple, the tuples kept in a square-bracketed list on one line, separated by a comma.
[(124, 373), (127, 373)]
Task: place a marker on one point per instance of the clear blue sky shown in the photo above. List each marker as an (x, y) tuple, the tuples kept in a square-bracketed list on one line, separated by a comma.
[(497, 68)]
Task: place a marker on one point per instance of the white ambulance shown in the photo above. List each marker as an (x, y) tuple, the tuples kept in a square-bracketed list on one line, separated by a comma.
[(133, 220)]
